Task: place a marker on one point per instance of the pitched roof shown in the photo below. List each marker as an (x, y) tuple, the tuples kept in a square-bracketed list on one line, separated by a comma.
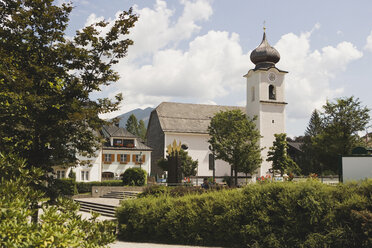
[(114, 131), (188, 118), (296, 145)]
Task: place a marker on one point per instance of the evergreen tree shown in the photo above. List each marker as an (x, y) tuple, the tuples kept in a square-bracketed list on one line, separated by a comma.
[(132, 125), (46, 114), (234, 139), (142, 130), (279, 157), (309, 161)]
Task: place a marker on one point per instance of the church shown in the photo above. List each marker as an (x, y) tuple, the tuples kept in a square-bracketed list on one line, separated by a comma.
[(188, 123)]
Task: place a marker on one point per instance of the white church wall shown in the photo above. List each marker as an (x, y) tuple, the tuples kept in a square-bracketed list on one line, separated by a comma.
[(272, 122), (198, 148)]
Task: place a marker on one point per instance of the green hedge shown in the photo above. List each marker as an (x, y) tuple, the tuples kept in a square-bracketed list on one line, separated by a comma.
[(85, 187), (306, 214)]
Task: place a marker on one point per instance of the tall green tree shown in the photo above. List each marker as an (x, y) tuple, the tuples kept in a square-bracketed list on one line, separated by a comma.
[(46, 79), (278, 155), (132, 125), (234, 139), (188, 165), (142, 129), (309, 162), (342, 119)]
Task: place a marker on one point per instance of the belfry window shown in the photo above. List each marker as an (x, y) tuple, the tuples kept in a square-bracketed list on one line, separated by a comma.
[(272, 95)]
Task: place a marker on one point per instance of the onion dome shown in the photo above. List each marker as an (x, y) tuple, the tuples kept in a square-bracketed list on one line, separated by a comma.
[(265, 56)]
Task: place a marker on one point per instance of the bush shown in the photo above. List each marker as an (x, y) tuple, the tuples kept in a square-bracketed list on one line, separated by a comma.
[(306, 214), (86, 187), (59, 225), (64, 187), (134, 177)]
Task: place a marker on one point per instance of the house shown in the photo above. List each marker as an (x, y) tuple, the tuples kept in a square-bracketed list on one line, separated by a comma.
[(188, 123), (121, 150)]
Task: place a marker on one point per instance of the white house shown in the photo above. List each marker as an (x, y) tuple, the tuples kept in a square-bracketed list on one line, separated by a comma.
[(120, 151), (188, 123)]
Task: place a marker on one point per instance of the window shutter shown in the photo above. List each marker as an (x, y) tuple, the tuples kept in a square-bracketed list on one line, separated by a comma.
[(128, 158), (134, 158), (118, 158), (112, 157), (103, 157), (143, 158)]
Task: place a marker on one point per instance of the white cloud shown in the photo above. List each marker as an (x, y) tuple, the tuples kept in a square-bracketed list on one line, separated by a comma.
[(368, 45), (311, 71), (211, 66)]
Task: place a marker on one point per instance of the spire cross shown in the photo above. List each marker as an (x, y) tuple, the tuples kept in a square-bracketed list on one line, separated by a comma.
[(264, 26)]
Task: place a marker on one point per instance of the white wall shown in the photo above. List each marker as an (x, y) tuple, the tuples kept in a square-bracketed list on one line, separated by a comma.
[(198, 149), (356, 168)]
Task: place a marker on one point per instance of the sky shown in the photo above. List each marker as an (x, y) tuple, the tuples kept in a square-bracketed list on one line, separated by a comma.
[(197, 51)]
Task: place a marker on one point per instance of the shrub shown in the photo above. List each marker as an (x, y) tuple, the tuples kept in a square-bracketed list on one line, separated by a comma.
[(59, 225), (305, 214), (64, 187), (134, 177)]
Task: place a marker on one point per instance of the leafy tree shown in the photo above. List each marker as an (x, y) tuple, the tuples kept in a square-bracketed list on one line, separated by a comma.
[(188, 165), (341, 120), (279, 157), (59, 225), (46, 79), (132, 124), (234, 139)]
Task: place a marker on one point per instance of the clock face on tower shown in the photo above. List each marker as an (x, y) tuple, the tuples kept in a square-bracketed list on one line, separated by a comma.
[(272, 77)]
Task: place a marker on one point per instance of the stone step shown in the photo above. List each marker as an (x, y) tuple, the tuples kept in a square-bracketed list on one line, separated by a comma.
[(121, 194), (105, 210)]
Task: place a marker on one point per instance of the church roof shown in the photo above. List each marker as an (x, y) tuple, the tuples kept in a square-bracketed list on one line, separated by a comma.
[(265, 56), (114, 131), (188, 118)]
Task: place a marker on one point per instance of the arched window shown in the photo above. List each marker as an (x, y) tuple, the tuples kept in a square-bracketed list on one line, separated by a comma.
[(272, 95)]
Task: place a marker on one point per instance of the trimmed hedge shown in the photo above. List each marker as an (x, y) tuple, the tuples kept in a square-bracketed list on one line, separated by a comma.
[(305, 214), (176, 191), (64, 187), (85, 187)]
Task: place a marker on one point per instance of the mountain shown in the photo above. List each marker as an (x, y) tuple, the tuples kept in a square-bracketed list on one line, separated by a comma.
[(141, 114)]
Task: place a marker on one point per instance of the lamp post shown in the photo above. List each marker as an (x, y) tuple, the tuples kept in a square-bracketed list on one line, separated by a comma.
[(140, 160), (212, 163)]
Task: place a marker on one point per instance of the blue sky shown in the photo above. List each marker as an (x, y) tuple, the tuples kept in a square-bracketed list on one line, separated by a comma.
[(197, 51)]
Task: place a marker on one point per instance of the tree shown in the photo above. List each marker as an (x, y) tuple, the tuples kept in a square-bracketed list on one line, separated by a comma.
[(46, 79), (234, 139), (142, 129), (309, 161), (341, 121), (277, 154), (136, 127), (132, 125), (188, 165)]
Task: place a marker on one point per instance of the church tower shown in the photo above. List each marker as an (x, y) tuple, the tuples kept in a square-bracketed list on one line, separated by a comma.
[(265, 97)]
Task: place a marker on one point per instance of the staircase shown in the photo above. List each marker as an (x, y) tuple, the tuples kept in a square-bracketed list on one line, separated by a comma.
[(121, 194), (105, 210)]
